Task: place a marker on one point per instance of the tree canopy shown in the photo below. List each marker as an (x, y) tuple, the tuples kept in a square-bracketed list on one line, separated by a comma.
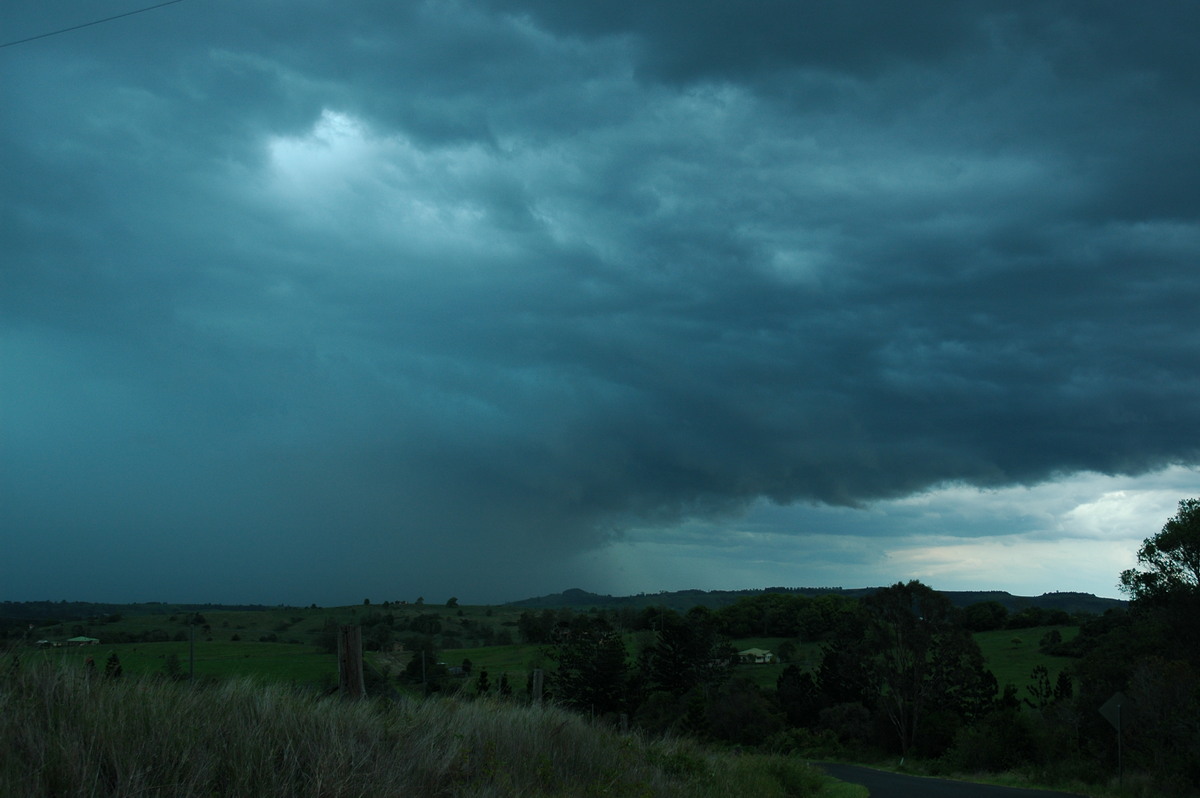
[(593, 669), (1170, 561)]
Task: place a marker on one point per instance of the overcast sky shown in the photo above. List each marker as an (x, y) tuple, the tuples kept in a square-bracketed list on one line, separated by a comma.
[(313, 302)]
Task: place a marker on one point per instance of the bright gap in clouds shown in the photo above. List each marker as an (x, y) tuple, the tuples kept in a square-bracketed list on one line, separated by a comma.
[(335, 151), (342, 177), (1075, 534)]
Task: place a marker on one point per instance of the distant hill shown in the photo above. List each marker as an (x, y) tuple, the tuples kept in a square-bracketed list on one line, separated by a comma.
[(76, 610), (683, 600), (1066, 601)]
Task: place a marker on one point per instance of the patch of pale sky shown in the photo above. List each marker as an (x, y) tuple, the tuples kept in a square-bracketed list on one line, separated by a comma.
[(341, 175), (798, 267), (1074, 534), (318, 170), (1019, 564)]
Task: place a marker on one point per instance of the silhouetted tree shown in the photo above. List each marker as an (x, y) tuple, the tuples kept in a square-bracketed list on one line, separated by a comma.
[(592, 666), (842, 676), (919, 663), (326, 639), (426, 624), (539, 627), (1170, 561), (798, 697), (688, 652), (737, 712), (984, 616)]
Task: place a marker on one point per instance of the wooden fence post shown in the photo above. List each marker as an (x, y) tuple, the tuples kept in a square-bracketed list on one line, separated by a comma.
[(350, 662)]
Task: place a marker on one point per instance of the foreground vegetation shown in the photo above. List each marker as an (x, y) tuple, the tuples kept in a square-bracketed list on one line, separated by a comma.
[(67, 733), (898, 675)]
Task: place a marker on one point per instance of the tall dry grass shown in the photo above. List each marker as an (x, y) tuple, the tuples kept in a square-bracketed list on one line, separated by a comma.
[(63, 733)]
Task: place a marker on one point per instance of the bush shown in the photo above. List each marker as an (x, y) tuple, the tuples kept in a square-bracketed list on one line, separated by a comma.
[(1050, 642), (851, 723), (1001, 741), (821, 744), (740, 714)]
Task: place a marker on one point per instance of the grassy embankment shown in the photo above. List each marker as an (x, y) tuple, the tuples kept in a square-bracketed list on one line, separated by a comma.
[(65, 733)]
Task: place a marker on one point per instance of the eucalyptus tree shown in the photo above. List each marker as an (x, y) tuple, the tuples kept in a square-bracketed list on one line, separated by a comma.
[(1169, 562), (912, 660)]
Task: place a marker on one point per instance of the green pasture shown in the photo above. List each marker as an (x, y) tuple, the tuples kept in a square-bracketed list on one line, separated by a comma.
[(276, 662), (1012, 654), (515, 660), (284, 623)]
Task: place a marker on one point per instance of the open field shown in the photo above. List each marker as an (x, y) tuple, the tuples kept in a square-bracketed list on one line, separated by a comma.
[(279, 662), (1012, 654), (515, 660)]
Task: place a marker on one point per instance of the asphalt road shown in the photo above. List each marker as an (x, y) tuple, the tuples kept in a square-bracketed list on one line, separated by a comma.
[(882, 784)]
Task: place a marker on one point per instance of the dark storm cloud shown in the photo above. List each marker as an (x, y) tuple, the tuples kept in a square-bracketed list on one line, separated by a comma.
[(680, 40), (466, 287)]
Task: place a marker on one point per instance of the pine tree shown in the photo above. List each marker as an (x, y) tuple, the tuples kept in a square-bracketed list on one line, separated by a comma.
[(593, 668)]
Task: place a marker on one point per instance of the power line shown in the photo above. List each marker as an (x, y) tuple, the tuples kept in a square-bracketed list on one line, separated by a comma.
[(89, 24)]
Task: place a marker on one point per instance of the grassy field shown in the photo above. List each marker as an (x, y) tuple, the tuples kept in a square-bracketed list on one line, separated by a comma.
[(279, 662), (1012, 654), (70, 734), (514, 660)]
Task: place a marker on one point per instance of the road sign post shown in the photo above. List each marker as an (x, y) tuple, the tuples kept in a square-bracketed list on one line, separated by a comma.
[(1114, 710)]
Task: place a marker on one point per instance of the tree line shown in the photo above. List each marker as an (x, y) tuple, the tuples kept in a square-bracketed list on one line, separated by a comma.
[(900, 672)]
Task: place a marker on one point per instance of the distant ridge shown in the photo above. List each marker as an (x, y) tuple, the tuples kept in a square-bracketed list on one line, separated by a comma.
[(683, 600), (74, 610)]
